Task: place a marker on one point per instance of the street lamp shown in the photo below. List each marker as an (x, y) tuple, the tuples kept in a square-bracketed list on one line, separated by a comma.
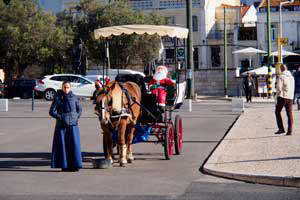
[(280, 59)]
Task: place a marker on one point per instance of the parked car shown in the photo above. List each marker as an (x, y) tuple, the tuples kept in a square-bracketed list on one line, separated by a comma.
[(95, 78), (22, 88), (49, 85), (3, 89), (112, 73)]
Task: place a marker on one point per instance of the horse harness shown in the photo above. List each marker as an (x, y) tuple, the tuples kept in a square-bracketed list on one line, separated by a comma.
[(125, 112)]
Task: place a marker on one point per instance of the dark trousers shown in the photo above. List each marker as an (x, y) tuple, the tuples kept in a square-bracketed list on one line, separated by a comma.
[(288, 104), (248, 93)]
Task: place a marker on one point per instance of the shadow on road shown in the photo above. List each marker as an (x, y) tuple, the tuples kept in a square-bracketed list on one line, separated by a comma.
[(33, 159), (203, 141), (253, 138)]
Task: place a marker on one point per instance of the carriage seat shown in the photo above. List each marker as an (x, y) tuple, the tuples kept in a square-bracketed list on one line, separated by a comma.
[(136, 78)]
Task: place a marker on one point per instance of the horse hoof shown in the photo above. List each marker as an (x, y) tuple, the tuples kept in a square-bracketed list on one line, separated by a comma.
[(130, 160), (122, 164), (124, 161)]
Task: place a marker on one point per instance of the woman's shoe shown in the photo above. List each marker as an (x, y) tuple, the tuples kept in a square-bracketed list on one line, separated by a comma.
[(74, 170)]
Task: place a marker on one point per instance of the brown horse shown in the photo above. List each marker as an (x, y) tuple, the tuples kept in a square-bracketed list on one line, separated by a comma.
[(118, 109)]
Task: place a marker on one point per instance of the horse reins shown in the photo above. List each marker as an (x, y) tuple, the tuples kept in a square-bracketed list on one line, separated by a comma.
[(131, 100)]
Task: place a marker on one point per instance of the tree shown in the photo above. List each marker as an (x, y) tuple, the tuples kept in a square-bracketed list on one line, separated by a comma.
[(124, 50), (30, 36)]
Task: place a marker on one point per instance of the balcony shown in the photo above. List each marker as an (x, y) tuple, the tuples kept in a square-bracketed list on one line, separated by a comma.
[(215, 35), (218, 36)]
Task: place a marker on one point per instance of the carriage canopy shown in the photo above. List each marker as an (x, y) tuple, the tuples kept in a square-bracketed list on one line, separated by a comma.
[(140, 29)]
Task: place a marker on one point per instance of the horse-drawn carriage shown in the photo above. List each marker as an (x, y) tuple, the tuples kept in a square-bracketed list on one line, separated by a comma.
[(129, 112)]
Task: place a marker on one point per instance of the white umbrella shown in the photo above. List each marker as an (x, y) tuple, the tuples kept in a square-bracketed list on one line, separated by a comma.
[(260, 71), (284, 53), (250, 51)]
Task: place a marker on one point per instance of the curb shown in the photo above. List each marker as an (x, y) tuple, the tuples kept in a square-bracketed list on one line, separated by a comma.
[(230, 99), (268, 180)]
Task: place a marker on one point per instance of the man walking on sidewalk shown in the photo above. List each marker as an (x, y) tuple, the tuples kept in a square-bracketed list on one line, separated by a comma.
[(285, 95)]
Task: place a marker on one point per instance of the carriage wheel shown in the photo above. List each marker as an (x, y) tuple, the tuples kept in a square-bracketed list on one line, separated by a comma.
[(178, 135), (169, 141)]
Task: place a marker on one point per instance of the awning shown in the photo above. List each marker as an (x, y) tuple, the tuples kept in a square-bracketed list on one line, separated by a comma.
[(249, 51), (259, 71), (140, 29)]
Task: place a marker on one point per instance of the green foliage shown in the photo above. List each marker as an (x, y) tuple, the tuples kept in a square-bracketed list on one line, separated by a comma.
[(30, 36), (124, 50), (6, 2)]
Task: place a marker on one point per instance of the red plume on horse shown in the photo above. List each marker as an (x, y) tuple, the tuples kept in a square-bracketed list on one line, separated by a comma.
[(118, 109)]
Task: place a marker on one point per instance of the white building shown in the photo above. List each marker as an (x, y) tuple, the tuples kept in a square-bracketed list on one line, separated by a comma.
[(56, 6), (290, 27), (208, 19), (203, 17)]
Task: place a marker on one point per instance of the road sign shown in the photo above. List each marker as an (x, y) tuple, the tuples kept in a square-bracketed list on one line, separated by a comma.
[(283, 41), (180, 53)]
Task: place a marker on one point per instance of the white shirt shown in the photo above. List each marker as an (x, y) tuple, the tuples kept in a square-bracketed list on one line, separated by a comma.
[(285, 85)]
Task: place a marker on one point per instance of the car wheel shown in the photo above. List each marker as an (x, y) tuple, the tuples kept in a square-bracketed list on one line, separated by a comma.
[(25, 95), (49, 94)]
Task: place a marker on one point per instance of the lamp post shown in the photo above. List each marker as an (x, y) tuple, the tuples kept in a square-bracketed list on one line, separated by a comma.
[(279, 42), (269, 48), (190, 64), (225, 55)]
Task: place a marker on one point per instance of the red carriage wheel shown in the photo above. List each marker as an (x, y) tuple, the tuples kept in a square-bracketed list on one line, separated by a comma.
[(178, 135), (169, 141)]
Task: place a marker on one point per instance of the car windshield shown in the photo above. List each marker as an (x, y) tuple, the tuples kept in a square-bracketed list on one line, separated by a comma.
[(91, 78)]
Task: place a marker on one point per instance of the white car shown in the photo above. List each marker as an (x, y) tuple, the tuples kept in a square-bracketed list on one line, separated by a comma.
[(112, 73), (80, 85), (95, 78)]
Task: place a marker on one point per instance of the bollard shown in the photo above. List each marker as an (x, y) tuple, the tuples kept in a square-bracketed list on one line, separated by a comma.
[(32, 101)]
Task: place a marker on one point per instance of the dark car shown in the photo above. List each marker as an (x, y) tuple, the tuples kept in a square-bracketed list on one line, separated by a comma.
[(2, 89), (21, 88)]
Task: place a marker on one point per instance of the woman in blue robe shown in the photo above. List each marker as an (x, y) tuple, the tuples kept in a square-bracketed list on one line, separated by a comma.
[(66, 109)]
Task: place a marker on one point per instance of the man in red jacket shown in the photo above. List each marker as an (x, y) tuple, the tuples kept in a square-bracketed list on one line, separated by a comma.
[(158, 84)]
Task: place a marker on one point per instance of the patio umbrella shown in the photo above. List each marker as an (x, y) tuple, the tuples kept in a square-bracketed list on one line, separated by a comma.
[(284, 53), (259, 71), (250, 51)]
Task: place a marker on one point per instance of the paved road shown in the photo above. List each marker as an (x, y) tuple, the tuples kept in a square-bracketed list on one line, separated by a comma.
[(25, 144)]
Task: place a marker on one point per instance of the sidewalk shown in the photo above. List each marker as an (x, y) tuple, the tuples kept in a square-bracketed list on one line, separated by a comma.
[(251, 151), (254, 99)]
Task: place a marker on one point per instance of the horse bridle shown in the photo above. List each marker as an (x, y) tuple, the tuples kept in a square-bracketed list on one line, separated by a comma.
[(131, 101)]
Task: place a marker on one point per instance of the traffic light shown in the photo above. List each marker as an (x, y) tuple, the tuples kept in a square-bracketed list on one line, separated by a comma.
[(6, 2)]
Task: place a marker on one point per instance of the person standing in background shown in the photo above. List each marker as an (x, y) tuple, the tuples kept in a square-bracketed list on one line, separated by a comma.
[(297, 87), (285, 94), (248, 86)]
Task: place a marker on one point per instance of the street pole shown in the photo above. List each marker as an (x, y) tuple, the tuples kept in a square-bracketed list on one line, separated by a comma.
[(107, 58), (280, 38), (225, 55), (269, 48), (280, 35), (190, 64)]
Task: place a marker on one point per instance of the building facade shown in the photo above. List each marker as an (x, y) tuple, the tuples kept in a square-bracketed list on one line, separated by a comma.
[(208, 37), (290, 26), (56, 6)]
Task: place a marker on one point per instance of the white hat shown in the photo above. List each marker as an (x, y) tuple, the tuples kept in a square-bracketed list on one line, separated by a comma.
[(162, 68)]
